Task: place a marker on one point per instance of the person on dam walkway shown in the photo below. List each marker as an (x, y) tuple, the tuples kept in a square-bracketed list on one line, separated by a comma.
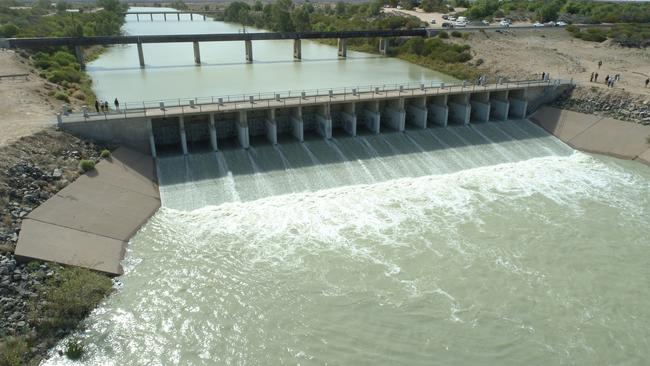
[(97, 106), (117, 105)]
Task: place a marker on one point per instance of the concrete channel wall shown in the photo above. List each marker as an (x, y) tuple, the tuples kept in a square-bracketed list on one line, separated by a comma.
[(382, 112)]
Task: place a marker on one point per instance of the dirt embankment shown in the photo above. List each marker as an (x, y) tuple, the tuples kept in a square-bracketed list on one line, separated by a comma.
[(519, 54)]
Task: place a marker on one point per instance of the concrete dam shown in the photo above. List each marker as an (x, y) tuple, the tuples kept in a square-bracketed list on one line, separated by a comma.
[(195, 126)]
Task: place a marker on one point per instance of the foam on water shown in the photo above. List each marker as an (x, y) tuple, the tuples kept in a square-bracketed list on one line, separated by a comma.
[(510, 259)]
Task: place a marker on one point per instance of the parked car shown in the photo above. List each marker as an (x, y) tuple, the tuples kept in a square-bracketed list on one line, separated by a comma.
[(561, 24), (538, 24), (485, 22), (447, 25), (445, 16), (504, 23), (460, 23), (433, 21), (452, 18), (549, 24), (398, 7)]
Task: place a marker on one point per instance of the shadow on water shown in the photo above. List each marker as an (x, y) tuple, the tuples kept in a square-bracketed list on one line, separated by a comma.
[(222, 64), (411, 153)]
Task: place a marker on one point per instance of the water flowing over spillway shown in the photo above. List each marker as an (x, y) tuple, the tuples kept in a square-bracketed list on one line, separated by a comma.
[(488, 244)]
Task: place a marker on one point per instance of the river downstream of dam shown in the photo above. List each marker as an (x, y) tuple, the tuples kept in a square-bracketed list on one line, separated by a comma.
[(488, 244)]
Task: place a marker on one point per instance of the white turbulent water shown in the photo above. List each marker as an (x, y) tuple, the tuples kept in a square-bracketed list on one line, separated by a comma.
[(409, 249)]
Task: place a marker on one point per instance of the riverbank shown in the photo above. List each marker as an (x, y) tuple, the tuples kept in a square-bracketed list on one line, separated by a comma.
[(597, 134), (40, 302)]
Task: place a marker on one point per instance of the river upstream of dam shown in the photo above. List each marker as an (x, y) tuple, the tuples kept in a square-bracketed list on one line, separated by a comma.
[(488, 244)]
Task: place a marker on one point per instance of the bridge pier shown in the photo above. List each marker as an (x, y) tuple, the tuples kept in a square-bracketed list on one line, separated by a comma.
[(204, 18), (197, 53), (349, 116), (297, 49), (271, 127), (165, 16), (80, 56), (151, 15), (178, 16), (248, 44), (242, 130), (383, 46), (140, 55), (416, 109), (343, 47), (191, 17), (181, 124), (438, 112), (213, 133), (297, 125), (137, 16), (324, 121), (152, 139)]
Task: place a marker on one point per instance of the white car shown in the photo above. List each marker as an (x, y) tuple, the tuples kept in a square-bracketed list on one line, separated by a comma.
[(485, 22), (452, 18), (538, 24), (460, 24), (561, 24), (504, 23)]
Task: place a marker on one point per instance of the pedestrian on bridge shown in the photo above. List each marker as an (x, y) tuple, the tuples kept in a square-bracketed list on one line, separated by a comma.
[(117, 105)]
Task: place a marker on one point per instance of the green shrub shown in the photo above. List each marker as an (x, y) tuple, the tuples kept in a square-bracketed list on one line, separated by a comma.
[(62, 96), (466, 35), (69, 296), (456, 34), (33, 266), (74, 348), (65, 73), (443, 35), (13, 351), (8, 30), (105, 154), (87, 165)]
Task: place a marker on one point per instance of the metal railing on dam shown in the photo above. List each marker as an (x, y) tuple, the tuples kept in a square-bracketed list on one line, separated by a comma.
[(182, 122)]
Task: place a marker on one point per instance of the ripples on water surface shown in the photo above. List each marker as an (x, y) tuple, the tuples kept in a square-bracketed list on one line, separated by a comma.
[(510, 252)]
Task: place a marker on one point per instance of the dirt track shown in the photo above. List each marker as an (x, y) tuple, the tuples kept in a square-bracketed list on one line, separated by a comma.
[(25, 106), (526, 53)]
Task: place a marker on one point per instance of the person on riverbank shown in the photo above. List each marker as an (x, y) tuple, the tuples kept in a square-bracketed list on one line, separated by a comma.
[(595, 77), (600, 63), (117, 105), (647, 81), (591, 78)]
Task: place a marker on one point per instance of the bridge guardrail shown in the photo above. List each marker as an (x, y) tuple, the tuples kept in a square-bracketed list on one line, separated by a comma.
[(292, 98)]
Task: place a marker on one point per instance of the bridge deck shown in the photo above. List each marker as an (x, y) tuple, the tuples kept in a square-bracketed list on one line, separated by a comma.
[(212, 105)]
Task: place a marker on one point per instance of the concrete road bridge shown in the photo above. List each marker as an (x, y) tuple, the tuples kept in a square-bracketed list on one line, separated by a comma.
[(172, 14), (205, 123), (247, 38)]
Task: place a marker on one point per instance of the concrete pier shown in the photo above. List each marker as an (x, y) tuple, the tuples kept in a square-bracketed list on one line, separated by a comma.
[(79, 53), (499, 105), (181, 126), (371, 116), (343, 47), (140, 55), (271, 127), (416, 112), (297, 49), (518, 103), (383, 46), (324, 121), (438, 112), (349, 116), (242, 130), (213, 134), (197, 53), (297, 124), (459, 109), (248, 45)]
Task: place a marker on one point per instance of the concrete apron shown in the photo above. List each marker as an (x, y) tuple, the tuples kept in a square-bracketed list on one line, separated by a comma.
[(90, 221)]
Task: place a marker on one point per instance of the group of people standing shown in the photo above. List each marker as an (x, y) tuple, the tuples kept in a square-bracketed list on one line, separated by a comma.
[(102, 106), (610, 80)]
